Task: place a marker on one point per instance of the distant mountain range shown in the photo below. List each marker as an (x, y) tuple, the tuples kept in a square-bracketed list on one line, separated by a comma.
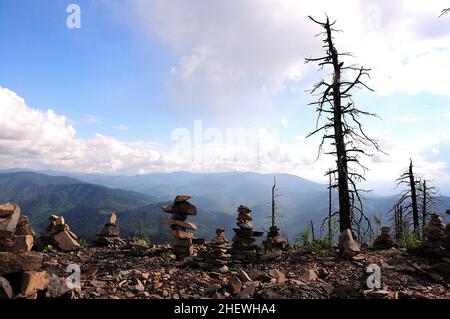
[(86, 199)]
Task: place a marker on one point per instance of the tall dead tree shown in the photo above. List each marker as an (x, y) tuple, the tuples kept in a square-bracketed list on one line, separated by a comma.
[(408, 197), (342, 125), (329, 218), (275, 195), (444, 11), (330, 198), (398, 220), (428, 199)]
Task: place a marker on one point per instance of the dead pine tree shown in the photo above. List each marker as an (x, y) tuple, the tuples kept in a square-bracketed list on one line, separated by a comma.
[(274, 240), (330, 215), (398, 220), (330, 198), (408, 197), (444, 11), (274, 197), (342, 126), (428, 199), (312, 231)]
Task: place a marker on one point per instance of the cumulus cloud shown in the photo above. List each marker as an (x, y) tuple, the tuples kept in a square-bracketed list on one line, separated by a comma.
[(248, 51), (32, 138)]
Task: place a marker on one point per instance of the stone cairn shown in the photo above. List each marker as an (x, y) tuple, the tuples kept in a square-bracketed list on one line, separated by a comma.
[(244, 249), (180, 229), (274, 240), (436, 244), (218, 256), (384, 240), (434, 233), (110, 233), (19, 266), (59, 235)]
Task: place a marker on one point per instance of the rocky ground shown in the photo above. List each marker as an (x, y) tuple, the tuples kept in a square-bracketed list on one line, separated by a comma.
[(116, 273)]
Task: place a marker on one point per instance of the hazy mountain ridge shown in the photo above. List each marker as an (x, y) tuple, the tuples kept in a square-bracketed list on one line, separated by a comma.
[(216, 195)]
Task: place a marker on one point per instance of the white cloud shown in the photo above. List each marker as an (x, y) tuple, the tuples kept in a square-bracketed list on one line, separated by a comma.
[(247, 51), (446, 114), (31, 138), (284, 122)]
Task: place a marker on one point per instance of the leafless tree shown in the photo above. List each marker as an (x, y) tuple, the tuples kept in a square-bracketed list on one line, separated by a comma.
[(329, 218), (428, 199), (342, 126), (444, 11), (408, 197), (398, 220), (274, 205)]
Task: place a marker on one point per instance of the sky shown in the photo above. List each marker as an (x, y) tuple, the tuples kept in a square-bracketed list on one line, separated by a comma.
[(215, 85)]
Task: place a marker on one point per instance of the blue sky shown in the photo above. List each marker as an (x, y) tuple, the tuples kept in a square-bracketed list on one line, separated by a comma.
[(120, 86)]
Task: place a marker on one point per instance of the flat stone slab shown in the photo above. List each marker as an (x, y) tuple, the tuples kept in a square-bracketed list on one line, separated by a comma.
[(8, 209), (178, 223), (17, 262)]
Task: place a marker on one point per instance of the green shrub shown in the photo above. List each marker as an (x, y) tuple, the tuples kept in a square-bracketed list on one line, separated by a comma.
[(409, 239), (167, 255), (48, 249), (303, 239), (145, 238), (321, 247)]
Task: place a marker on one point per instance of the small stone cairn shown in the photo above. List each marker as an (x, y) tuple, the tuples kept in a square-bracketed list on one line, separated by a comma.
[(218, 256), (244, 249), (110, 234), (20, 277), (384, 240), (180, 229), (59, 235), (274, 240)]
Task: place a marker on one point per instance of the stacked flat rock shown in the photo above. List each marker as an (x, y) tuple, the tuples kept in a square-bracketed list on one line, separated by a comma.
[(274, 240), (218, 256), (384, 240), (180, 229), (434, 233), (19, 266), (110, 233), (16, 234), (58, 234), (244, 249)]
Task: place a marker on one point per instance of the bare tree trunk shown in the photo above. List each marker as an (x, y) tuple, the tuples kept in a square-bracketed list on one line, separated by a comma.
[(412, 183), (312, 231), (341, 153), (273, 201), (400, 216), (343, 126), (396, 223), (330, 233), (424, 206)]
